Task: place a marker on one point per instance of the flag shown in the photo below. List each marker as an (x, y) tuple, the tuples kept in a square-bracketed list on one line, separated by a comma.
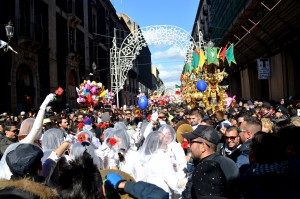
[(202, 59), (186, 68), (195, 60), (230, 55), (223, 53), (177, 89), (212, 55), (59, 91)]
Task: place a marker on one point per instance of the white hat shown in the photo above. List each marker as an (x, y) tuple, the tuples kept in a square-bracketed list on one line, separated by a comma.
[(22, 113)]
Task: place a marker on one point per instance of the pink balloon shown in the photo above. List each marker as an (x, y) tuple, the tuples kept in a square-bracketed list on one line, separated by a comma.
[(94, 90), (87, 87)]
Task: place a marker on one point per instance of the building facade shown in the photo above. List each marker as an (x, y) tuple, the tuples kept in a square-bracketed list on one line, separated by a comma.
[(60, 43), (265, 35)]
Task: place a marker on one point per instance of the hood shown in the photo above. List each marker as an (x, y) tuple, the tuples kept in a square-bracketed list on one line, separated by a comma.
[(27, 189)]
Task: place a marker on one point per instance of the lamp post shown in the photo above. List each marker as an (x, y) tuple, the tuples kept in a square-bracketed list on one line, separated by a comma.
[(94, 67), (9, 28), (9, 33)]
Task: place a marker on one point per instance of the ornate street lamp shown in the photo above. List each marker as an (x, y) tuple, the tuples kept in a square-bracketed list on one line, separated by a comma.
[(9, 33), (9, 30), (94, 66)]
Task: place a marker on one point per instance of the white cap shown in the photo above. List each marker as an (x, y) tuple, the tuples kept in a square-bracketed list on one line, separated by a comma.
[(22, 113)]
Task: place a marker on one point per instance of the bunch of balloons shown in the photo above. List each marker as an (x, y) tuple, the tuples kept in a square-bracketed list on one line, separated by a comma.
[(157, 99), (91, 93)]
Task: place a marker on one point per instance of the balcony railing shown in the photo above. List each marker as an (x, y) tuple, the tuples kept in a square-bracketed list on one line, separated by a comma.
[(30, 30)]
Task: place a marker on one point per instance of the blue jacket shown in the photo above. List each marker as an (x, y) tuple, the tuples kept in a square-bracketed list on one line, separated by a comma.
[(143, 190)]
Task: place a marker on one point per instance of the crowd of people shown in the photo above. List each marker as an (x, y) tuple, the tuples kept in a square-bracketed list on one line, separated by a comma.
[(249, 149)]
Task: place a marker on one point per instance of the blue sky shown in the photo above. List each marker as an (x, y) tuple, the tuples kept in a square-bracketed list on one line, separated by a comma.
[(180, 13)]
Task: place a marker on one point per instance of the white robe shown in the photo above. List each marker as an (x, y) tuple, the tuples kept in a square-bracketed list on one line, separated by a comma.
[(159, 171)]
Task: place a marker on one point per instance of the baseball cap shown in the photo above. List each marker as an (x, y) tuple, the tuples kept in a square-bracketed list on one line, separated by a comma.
[(205, 132)]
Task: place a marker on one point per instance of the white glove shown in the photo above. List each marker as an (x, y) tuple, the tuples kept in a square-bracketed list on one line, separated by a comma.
[(48, 99), (181, 183), (70, 138)]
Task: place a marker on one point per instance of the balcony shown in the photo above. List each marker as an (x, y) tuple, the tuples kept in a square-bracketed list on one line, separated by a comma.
[(30, 35)]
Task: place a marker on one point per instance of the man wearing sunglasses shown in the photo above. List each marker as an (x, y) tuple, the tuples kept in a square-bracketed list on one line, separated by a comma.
[(232, 143), (203, 143), (11, 136), (247, 129)]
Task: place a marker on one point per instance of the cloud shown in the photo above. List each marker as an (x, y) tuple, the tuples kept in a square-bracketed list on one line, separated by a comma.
[(173, 53), (170, 75), (170, 64)]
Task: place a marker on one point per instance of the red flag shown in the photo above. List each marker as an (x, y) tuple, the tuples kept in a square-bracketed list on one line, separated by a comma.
[(223, 53), (59, 91)]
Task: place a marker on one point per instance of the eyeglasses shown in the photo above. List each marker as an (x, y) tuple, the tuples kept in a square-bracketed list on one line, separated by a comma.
[(192, 142), (198, 142), (241, 130), (231, 137), (16, 131)]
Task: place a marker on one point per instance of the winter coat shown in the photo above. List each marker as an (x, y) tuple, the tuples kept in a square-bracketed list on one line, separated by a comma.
[(143, 190), (26, 189)]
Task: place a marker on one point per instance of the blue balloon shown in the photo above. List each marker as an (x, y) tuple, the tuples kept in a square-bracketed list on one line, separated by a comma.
[(201, 85), (143, 102)]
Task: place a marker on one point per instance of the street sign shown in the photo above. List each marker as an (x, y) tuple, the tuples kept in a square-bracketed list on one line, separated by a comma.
[(263, 68)]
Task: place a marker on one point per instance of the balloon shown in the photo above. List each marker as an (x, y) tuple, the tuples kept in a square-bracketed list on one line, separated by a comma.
[(86, 93), (143, 102), (90, 98), (94, 90), (103, 93), (87, 87), (201, 85)]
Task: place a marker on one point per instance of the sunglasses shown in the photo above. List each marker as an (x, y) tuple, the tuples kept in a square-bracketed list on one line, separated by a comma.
[(16, 131), (198, 142), (231, 137), (161, 117)]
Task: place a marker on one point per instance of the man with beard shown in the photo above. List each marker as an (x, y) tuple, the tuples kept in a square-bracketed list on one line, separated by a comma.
[(232, 143), (11, 136)]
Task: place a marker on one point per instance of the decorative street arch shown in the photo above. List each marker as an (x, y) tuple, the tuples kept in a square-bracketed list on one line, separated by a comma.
[(121, 58)]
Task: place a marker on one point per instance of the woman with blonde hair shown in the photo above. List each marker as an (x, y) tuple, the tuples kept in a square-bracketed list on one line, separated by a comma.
[(267, 125)]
